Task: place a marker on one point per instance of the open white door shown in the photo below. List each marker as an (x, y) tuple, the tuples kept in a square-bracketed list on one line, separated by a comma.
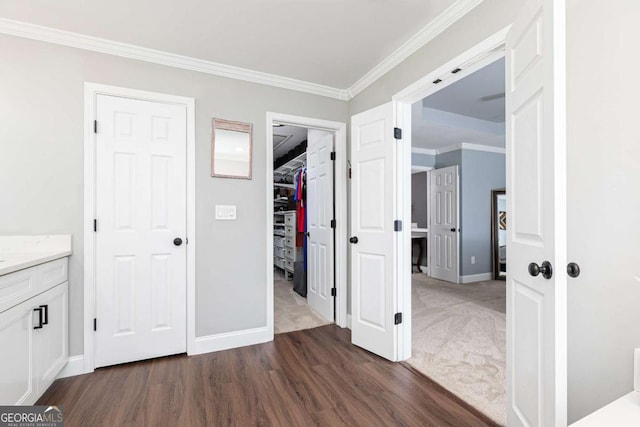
[(444, 228), (373, 244), (141, 228), (319, 215), (536, 212)]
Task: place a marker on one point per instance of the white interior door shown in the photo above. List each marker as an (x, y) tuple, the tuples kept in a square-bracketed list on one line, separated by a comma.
[(373, 255), (320, 240), (536, 214), (444, 229), (140, 210)]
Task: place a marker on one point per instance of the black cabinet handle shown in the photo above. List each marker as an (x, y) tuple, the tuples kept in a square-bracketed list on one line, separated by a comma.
[(45, 309), (545, 269), (39, 325)]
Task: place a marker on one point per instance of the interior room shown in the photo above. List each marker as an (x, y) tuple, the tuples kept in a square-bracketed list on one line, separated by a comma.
[(458, 164), (340, 213), (292, 311)]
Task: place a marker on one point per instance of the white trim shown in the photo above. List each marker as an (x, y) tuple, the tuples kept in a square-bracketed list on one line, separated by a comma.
[(228, 340), (340, 195), (481, 277), (473, 147), (422, 37), (349, 321), (91, 91), (125, 50), (74, 366), (480, 55), (427, 151)]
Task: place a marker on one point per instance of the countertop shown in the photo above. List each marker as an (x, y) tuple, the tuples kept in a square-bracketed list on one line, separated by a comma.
[(20, 252), (620, 413)]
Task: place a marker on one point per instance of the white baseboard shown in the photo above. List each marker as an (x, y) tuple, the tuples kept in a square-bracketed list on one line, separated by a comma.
[(74, 366), (348, 321), (228, 340), (476, 277)]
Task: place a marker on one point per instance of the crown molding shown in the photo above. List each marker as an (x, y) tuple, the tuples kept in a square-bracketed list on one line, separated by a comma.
[(474, 147), (125, 50), (427, 151), (443, 21)]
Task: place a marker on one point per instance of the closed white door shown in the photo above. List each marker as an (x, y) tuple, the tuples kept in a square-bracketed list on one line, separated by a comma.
[(373, 241), (140, 210), (444, 229), (319, 215), (536, 213)]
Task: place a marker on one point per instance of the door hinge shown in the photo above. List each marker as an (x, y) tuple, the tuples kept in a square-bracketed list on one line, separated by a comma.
[(333, 155), (397, 319), (397, 225), (333, 292), (95, 225), (95, 324), (397, 133), (95, 126), (333, 223)]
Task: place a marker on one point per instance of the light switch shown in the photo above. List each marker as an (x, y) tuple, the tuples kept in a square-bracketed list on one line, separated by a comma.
[(225, 212)]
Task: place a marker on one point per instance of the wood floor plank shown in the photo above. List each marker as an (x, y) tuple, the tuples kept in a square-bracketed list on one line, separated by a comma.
[(314, 377)]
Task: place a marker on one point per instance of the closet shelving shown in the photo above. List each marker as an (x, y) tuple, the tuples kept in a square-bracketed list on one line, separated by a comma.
[(284, 250)]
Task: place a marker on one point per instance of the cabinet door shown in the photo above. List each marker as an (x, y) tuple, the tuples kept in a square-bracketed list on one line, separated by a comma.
[(51, 343), (17, 369)]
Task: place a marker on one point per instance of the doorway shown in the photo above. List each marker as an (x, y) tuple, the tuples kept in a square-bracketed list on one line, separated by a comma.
[(306, 205), (139, 200), (458, 311)]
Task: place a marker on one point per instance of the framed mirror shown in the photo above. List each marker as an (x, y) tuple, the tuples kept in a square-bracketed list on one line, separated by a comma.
[(499, 233), (231, 149)]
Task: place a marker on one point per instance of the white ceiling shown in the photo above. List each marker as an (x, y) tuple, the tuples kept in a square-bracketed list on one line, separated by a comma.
[(457, 114), (285, 138), (330, 42)]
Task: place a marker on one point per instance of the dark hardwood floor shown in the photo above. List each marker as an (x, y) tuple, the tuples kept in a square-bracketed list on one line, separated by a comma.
[(304, 378)]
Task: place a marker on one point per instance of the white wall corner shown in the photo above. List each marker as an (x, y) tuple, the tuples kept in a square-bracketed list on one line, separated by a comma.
[(471, 278), (74, 366), (443, 21), (228, 340)]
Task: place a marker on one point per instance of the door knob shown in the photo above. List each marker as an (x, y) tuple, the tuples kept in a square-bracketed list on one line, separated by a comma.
[(573, 269), (453, 230), (545, 269), (177, 241), (354, 240)]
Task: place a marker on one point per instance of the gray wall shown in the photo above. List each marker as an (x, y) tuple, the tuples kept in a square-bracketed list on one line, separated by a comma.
[(419, 202), (41, 167), (603, 201), (480, 172)]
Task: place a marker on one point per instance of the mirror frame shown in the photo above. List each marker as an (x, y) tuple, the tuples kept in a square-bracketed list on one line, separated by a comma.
[(494, 234), (236, 127)]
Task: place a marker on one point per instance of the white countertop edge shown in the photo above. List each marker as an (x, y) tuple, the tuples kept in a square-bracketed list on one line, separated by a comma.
[(36, 259)]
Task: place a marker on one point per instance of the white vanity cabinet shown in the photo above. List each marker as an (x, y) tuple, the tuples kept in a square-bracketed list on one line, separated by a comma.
[(33, 330)]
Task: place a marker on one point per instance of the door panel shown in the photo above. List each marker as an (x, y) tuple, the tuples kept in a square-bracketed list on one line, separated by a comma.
[(319, 215), (536, 307), (140, 208), (444, 219), (373, 257)]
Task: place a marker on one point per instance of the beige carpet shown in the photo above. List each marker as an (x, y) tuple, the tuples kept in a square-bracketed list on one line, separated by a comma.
[(292, 313), (459, 340)]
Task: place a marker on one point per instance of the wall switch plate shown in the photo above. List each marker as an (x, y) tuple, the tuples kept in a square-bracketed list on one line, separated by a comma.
[(473, 260), (226, 213)]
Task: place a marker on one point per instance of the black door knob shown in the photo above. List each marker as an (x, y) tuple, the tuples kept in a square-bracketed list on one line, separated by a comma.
[(573, 269), (453, 230), (177, 241), (545, 269), (353, 240)]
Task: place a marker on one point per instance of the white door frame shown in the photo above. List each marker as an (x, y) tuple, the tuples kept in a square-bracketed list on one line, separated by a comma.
[(482, 54), (427, 169), (91, 92), (340, 167)]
